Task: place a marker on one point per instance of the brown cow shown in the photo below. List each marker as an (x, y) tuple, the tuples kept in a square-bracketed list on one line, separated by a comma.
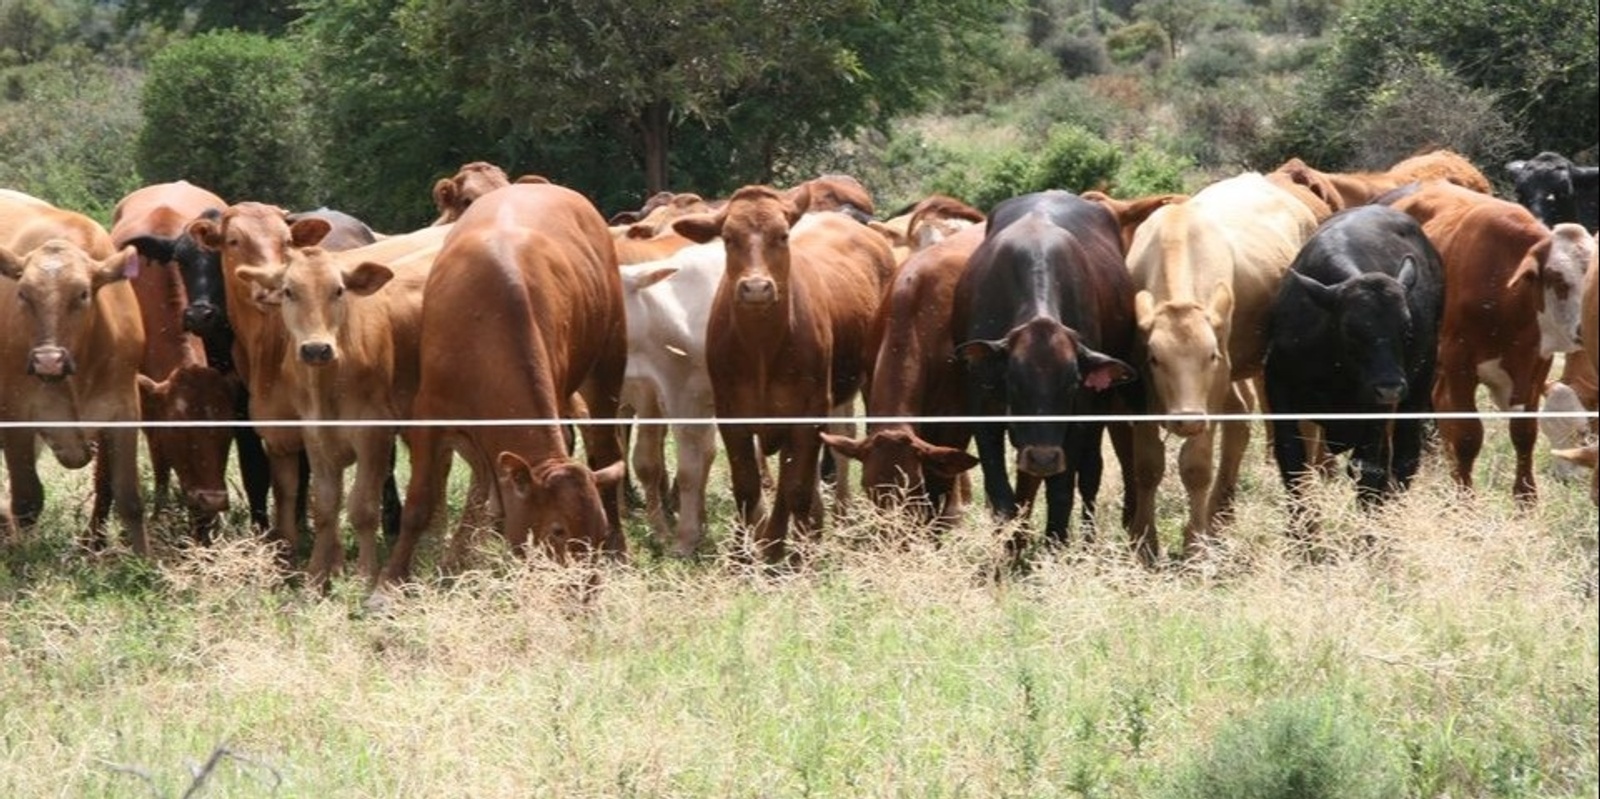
[(535, 267), (194, 392), (452, 195), (1512, 300), (162, 211), (913, 375), (786, 336), (841, 193), (353, 320), (70, 343), (1341, 190), (933, 219)]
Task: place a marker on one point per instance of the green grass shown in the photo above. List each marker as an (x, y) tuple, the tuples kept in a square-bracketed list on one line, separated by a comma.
[(1460, 653)]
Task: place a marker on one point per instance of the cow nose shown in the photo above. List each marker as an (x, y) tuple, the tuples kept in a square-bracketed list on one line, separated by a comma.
[(1042, 461), (316, 352), (50, 363), (200, 317), (1389, 393), (1191, 423), (758, 291), (207, 500)]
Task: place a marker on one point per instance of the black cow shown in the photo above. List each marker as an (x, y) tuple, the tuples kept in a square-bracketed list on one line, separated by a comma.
[(1353, 330), (1043, 318), (1557, 190)]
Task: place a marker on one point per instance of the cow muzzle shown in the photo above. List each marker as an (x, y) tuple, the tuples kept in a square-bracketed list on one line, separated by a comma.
[(1041, 461), (316, 353), (1191, 424), (202, 318), (1389, 393), (206, 501), (50, 363), (757, 291)]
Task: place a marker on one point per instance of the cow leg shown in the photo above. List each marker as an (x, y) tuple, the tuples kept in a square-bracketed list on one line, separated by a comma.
[(797, 492), (120, 451), (696, 449), (27, 492), (745, 473), (256, 472), (991, 440), (389, 502), (1197, 469), (1525, 431), (1058, 490), (1463, 437), (100, 506), (1090, 468), (1235, 440), (650, 464), (1121, 434), (327, 496), (285, 469), (1407, 444), (1149, 461), (844, 414), (373, 472), (160, 472), (480, 514)]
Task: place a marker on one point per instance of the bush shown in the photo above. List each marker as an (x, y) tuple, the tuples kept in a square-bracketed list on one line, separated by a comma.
[(66, 134), (1074, 159), (1150, 170), (1219, 57), (1293, 749), (1080, 55), (1422, 106), (1223, 126), (1138, 42), (229, 111)]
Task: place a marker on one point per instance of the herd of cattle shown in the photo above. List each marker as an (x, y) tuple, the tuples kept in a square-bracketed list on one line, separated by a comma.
[(1320, 297)]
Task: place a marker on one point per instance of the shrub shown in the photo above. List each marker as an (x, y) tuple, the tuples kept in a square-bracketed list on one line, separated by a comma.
[(1151, 170), (1074, 159), (1421, 106), (228, 110), (1134, 43), (1293, 749), (1221, 56), (1223, 126), (66, 134), (1080, 55)]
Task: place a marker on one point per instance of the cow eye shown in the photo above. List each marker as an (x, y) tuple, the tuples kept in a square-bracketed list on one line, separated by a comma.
[(338, 291), (1153, 362), (288, 294), (1215, 356)]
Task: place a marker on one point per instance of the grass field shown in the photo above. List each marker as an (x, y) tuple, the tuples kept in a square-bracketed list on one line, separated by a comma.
[(1457, 657)]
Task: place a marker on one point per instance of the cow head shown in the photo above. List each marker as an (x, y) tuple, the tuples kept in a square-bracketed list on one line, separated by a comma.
[(895, 463), (200, 268), (194, 393), (1186, 346), (254, 235), (56, 284), (1544, 186), (1046, 370), (313, 291), (1555, 268), (555, 504), (1373, 325), (754, 227), (452, 195)]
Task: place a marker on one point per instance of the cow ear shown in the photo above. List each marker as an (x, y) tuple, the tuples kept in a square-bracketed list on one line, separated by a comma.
[(1101, 372), (640, 230), (309, 232), (609, 477), (798, 201), (155, 248), (639, 280), (444, 194), (515, 470), (699, 228), (533, 180), (847, 446), (206, 232), (1144, 311), (946, 462), (1531, 263), (977, 351), (367, 277), (1324, 296), (1516, 168), (1221, 308), (267, 280), (149, 389), (122, 265), (10, 264), (1408, 273)]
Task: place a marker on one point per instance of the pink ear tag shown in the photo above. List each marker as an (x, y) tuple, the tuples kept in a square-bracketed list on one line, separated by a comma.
[(131, 268)]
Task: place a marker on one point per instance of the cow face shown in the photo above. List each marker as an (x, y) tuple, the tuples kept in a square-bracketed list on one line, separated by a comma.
[(254, 235), (1373, 326), (56, 284), (754, 227), (1187, 355), (200, 268), (193, 392), (452, 195), (313, 293), (1555, 267), (555, 504), (1544, 186), (895, 463), (1046, 370)]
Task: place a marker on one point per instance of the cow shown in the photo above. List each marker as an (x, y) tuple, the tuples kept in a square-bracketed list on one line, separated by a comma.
[(1341, 190), (1564, 432), (1557, 190), (1512, 300), (352, 320), (1043, 320), (452, 195), (667, 303), (907, 463), (929, 221), (345, 232), (1354, 330), (157, 212), (1586, 455), (535, 266), (190, 393), (1206, 271), (70, 344), (786, 336), (841, 193)]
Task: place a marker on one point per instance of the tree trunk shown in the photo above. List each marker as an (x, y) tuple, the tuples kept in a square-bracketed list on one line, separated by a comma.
[(654, 125)]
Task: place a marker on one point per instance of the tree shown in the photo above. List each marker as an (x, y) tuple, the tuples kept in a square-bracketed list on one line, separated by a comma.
[(765, 76), (228, 111), (256, 16)]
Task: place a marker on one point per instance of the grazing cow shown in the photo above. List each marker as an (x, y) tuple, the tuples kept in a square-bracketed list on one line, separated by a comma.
[(1043, 318), (160, 212), (1341, 190), (1564, 432), (1557, 190), (1512, 300), (1206, 271), (1354, 329), (452, 195), (353, 322), (194, 392), (535, 267), (786, 336), (70, 344), (905, 462), (667, 303)]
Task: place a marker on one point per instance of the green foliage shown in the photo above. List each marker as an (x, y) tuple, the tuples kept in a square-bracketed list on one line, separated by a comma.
[(1074, 159), (67, 131), (1137, 42), (269, 17), (29, 29), (1151, 170), (1293, 749), (1080, 55), (1220, 56), (1070, 158), (229, 111)]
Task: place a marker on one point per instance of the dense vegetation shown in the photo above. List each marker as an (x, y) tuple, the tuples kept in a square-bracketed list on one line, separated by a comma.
[(361, 104)]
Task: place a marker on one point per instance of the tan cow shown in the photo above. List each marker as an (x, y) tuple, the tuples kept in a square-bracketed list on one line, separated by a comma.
[(353, 321), (786, 336), (933, 219), (534, 267), (1587, 455), (70, 344), (452, 195), (1341, 190), (1207, 271)]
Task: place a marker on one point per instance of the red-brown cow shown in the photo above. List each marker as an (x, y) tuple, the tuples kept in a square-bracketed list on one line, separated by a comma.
[(452, 195), (70, 343), (786, 336), (1512, 300), (198, 455), (535, 267), (1341, 190)]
